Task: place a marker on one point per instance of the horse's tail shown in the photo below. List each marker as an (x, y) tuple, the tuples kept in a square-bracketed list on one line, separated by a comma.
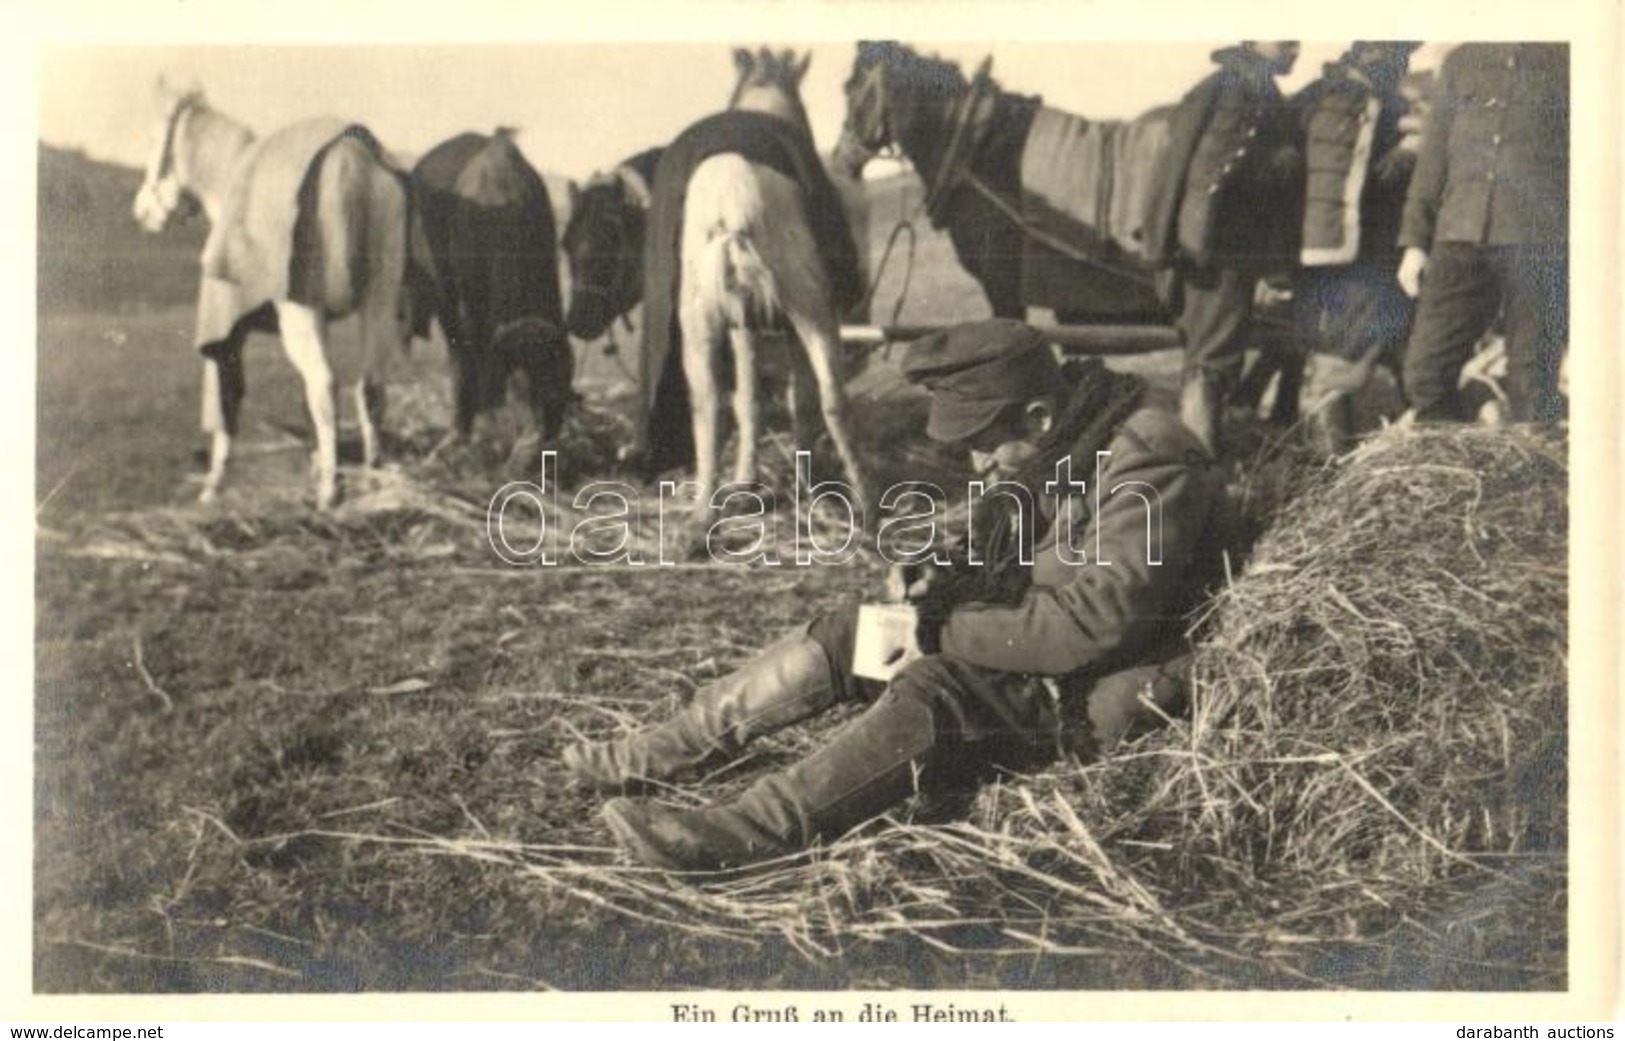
[(732, 274)]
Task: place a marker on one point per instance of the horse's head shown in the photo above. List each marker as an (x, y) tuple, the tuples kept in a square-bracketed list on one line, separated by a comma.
[(163, 191), (603, 246), (892, 93), (770, 82), (867, 129)]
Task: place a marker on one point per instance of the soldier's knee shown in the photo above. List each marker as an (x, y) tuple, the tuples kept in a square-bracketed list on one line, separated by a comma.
[(926, 681), (1124, 704)]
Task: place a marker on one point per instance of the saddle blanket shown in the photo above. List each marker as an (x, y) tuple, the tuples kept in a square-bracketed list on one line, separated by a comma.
[(662, 430), (1086, 184), (265, 247)]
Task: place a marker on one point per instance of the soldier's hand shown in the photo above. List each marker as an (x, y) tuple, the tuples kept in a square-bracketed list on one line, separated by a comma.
[(1267, 295), (1410, 270), (926, 580), (912, 582)]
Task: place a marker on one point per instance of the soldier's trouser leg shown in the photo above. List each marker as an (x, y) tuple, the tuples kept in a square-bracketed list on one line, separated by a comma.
[(1333, 381), (1536, 282), (1460, 295), (1214, 319), (939, 720)]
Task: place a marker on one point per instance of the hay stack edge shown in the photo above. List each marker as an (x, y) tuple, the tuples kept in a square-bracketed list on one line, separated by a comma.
[(1375, 763)]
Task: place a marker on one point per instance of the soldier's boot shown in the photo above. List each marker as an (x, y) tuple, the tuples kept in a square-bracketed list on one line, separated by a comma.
[(1201, 404), (1329, 426), (789, 681), (1288, 389), (870, 766)]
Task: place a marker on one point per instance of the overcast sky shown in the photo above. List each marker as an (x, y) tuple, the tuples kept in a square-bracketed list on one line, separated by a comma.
[(581, 107)]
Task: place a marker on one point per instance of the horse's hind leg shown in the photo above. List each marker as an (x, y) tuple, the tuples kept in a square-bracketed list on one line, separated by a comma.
[(747, 411), (222, 405), (538, 359), (698, 349), (815, 324), (385, 311), (302, 337), (370, 401), (803, 395)]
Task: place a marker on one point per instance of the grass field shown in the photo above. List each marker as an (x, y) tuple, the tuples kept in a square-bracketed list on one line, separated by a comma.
[(278, 751)]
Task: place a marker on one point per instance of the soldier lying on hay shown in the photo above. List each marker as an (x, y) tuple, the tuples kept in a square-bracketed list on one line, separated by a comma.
[(1017, 656)]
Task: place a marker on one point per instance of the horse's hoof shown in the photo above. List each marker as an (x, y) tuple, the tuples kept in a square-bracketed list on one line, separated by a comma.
[(208, 495), (696, 548), (525, 458), (328, 497)]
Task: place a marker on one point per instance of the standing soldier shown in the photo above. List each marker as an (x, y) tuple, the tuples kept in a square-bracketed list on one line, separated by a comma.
[(1223, 213), (1347, 305), (1485, 228)]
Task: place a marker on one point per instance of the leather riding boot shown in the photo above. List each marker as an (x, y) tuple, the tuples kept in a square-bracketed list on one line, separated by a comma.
[(788, 682), (1329, 427), (1201, 403), (868, 768)]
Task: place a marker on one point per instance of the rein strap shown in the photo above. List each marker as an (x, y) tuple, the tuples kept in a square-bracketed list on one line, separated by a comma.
[(970, 120), (183, 105)]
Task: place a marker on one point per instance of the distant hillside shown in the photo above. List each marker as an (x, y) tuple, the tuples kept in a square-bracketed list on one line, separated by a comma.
[(91, 253), (93, 256)]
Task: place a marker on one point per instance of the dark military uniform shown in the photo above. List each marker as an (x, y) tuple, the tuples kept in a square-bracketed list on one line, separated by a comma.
[(1022, 659), (1346, 301), (1489, 205), (1223, 211), (1093, 634)]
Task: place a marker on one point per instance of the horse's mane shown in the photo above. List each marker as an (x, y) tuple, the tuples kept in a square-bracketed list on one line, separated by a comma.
[(778, 74), (768, 68), (930, 73)]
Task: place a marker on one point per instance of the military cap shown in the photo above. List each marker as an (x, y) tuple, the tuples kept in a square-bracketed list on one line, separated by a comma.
[(975, 370)]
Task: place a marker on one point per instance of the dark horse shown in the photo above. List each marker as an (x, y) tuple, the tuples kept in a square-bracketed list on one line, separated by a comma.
[(966, 140), (603, 240), (603, 244), (488, 223)]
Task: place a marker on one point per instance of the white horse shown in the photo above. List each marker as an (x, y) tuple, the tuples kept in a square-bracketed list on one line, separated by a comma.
[(349, 217), (749, 253)]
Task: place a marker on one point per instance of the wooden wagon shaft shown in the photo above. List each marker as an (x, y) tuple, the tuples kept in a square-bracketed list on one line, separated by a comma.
[(1079, 339), (1104, 340)]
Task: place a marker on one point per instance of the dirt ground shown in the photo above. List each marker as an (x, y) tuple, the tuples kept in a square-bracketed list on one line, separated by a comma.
[(270, 745)]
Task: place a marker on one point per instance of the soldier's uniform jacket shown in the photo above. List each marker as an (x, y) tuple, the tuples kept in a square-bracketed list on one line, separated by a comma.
[(1357, 173), (1493, 167), (1113, 608), (1228, 188)]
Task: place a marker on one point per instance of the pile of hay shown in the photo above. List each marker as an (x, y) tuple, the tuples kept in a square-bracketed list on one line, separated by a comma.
[(1377, 743), (1379, 722)]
